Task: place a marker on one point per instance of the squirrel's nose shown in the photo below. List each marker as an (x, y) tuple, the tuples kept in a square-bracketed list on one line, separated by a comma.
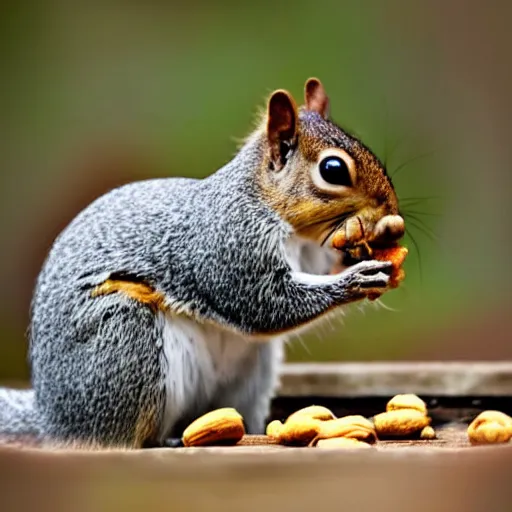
[(389, 229)]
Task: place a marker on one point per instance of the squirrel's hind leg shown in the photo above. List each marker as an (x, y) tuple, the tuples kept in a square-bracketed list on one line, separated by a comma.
[(103, 387)]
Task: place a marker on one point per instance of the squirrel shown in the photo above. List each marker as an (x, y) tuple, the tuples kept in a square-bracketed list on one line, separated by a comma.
[(166, 298)]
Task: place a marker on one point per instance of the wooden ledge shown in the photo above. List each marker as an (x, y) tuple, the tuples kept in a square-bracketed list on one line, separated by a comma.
[(387, 379), (445, 475), (286, 479)]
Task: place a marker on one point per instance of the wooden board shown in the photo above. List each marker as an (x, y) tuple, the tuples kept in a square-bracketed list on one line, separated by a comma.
[(446, 474), (443, 379), (255, 478)]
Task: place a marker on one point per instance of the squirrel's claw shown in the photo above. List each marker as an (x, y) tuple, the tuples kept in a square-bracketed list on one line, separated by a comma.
[(369, 275)]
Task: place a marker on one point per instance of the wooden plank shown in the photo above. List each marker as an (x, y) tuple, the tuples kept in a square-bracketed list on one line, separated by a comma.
[(474, 479), (388, 379)]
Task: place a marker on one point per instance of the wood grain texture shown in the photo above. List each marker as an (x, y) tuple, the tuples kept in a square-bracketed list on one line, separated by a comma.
[(249, 479), (388, 379)]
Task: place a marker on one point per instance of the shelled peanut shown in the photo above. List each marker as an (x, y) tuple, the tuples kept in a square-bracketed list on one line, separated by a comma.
[(396, 255), (341, 442), (317, 426), (490, 427), (405, 416), (219, 427), (349, 427)]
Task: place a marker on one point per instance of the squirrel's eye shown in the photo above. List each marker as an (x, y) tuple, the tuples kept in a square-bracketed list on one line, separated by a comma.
[(334, 171)]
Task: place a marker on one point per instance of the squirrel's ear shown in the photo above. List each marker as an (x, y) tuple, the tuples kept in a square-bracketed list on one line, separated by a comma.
[(315, 97), (281, 127)]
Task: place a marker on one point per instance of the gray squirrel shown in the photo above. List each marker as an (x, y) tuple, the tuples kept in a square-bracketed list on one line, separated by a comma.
[(167, 298)]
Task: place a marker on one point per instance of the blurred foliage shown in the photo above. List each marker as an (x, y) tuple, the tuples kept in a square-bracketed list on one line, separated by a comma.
[(181, 82)]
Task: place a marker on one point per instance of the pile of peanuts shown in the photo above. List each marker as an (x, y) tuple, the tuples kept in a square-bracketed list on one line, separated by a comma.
[(316, 426), (406, 417)]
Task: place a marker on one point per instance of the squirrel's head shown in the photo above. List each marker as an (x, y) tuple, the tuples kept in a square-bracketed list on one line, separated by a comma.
[(320, 179)]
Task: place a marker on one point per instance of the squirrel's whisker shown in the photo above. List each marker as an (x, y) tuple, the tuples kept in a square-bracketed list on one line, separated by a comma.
[(411, 160), (416, 246), (422, 198), (384, 306), (395, 145), (430, 214), (337, 226), (419, 198), (417, 223)]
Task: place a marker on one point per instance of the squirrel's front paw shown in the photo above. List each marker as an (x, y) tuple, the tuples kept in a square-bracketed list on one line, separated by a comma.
[(369, 278)]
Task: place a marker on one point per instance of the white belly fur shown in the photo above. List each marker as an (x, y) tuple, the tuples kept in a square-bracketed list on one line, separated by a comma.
[(198, 358)]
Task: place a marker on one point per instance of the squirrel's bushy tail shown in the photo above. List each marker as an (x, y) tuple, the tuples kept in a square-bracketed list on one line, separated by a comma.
[(18, 415)]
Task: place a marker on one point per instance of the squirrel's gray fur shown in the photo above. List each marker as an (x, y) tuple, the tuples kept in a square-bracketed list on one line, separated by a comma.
[(217, 253)]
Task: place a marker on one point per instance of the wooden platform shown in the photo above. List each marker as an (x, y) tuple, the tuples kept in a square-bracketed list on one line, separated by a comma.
[(443, 379), (446, 474), (255, 478)]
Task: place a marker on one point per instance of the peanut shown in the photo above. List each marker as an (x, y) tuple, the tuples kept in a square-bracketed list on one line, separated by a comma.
[(221, 426), (406, 402), (339, 239), (274, 429), (396, 255), (351, 427), (400, 422), (299, 431), (341, 442), (428, 433), (316, 412), (490, 427)]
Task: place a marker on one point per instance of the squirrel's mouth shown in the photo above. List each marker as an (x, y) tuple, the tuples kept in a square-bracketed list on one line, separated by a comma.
[(362, 238), (347, 253), (313, 258), (332, 247), (349, 256), (359, 236)]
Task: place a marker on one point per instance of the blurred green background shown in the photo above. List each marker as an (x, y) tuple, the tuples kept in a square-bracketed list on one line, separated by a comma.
[(94, 95)]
